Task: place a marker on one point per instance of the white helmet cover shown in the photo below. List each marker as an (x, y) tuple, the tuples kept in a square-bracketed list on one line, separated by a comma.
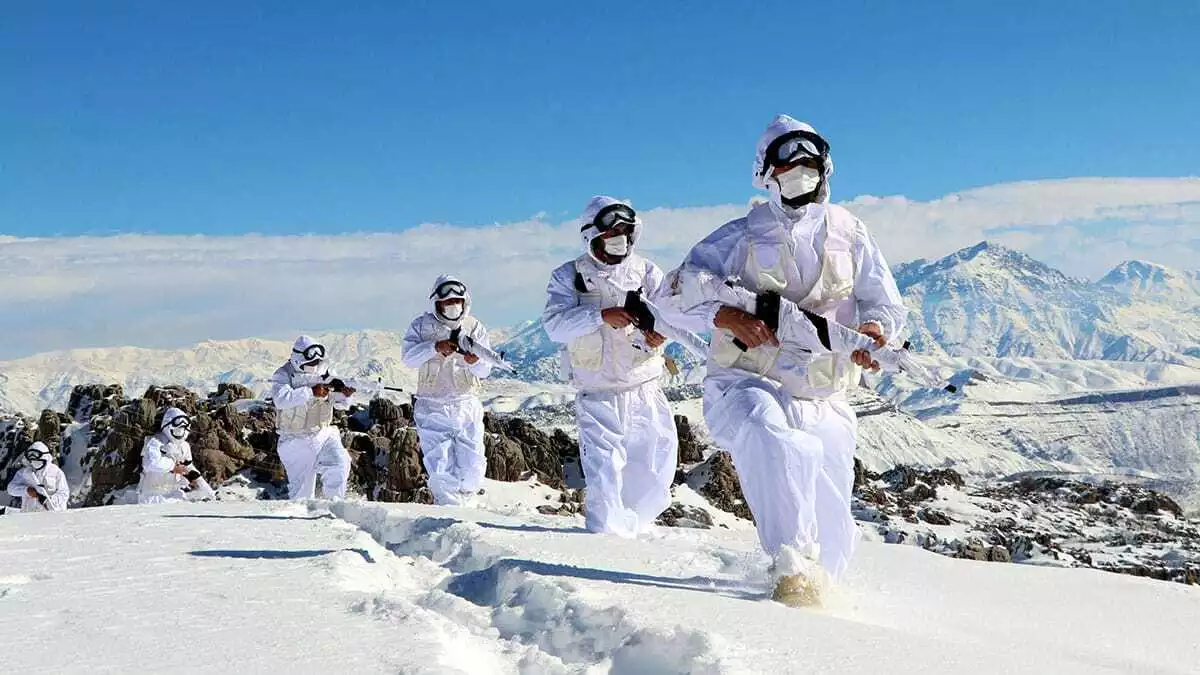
[(455, 288), (783, 124), (588, 230), (37, 456)]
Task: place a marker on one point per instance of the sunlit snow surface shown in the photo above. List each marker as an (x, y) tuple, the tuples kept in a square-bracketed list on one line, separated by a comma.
[(369, 588)]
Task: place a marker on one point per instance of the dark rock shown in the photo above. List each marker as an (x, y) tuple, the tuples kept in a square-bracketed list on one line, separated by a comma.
[(567, 448), (50, 426), (173, 396), (903, 477), (1154, 502), (973, 550), (933, 517), (383, 411), (228, 392), (91, 400), (505, 458), (690, 449), (919, 493), (679, 515), (541, 453), (721, 485), (404, 478)]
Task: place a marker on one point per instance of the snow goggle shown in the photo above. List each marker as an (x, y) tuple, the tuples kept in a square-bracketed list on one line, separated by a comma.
[(180, 423), (792, 147), (36, 457), (311, 353), (450, 289), (611, 216)]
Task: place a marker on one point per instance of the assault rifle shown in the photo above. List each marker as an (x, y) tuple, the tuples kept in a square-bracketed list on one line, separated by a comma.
[(816, 333), (465, 344), (340, 384), (647, 317)]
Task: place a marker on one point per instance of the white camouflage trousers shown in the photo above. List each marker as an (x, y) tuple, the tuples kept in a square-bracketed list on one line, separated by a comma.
[(451, 433), (306, 456), (795, 462), (628, 447)]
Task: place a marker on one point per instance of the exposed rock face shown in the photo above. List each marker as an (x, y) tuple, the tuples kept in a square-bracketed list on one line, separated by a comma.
[(680, 515), (92, 400), (514, 447), (717, 480), (232, 434), (691, 450), (1119, 527)]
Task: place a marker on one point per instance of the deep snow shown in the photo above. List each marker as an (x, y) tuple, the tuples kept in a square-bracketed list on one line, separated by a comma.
[(366, 587)]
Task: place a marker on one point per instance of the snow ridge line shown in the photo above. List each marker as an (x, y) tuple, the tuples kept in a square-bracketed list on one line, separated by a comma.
[(532, 610)]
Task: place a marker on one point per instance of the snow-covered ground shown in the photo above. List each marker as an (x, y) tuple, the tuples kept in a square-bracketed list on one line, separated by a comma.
[(366, 587)]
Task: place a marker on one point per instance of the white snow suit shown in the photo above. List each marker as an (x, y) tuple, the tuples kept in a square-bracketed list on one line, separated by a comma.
[(48, 481), (627, 437), (782, 413), (309, 444), (160, 454), (447, 411)]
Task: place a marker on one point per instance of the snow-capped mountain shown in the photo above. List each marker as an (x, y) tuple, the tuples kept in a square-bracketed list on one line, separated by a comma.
[(988, 300), (985, 300), (46, 380)]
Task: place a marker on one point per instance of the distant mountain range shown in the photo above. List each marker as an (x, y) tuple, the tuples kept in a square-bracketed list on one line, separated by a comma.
[(985, 300), (988, 300)]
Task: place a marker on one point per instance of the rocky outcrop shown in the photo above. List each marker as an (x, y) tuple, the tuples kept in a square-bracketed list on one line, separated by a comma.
[(680, 515), (717, 481), (1114, 526), (515, 447), (691, 450), (233, 434)]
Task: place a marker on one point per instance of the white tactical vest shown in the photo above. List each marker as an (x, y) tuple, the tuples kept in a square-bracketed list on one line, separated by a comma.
[(161, 483), (303, 419), (447, 375), (770, 265), (626, 346)]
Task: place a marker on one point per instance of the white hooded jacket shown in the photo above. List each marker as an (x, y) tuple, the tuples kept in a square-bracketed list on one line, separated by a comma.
[(444, 377), (597, 356), (48, 481), (297, 410), (160, 453), (790, 246)]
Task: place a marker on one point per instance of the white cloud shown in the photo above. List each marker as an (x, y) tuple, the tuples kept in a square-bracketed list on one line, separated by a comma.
[(164, 291)]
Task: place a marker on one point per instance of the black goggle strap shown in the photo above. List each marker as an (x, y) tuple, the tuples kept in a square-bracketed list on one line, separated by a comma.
[(611, 216), (312, 352), (786, 148), (449, 289)]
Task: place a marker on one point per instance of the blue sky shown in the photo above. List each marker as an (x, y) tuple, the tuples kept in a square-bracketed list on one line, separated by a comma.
[(224, 118)]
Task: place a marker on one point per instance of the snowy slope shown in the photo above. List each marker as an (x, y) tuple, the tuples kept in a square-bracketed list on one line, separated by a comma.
[(264, 587)]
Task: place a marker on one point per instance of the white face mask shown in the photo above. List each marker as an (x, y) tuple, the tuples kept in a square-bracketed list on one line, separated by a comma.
[(452, 312), (798, 181), (179, 434), (310, 367), (617, 246)]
